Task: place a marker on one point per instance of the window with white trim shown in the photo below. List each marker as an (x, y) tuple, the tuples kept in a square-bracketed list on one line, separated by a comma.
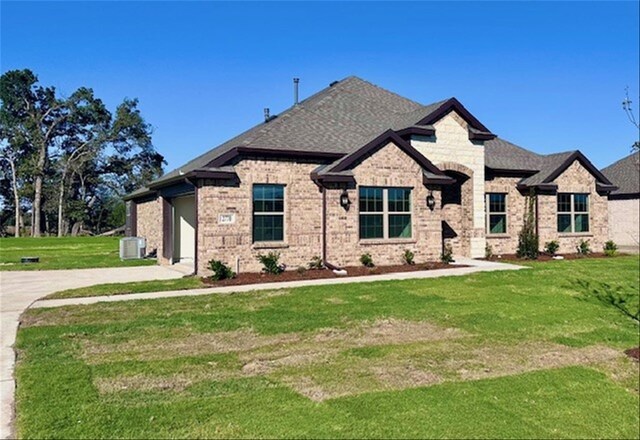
[(573, 212), (384, 212), (496, 204), (268, 213)]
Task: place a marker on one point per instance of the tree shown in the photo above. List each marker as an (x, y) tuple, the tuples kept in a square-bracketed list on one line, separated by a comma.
[(133, 161), (626, 106), (528, 242), (35, 115)]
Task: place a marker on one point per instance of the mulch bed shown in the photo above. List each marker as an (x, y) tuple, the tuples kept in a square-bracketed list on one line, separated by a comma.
[(633, 353), (547, 257), (294, 275)]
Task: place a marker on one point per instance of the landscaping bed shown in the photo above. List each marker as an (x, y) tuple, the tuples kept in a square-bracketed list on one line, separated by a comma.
[(352, 271), (547, 257)]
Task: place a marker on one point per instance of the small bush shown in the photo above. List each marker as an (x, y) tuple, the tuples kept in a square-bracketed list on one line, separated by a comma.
[(366, 260), (220, 270), (551, 247), (316, 263), (270, 263), (301, 270), (610, 248), (583, 247), (407, 257), (447, 254), (488, 251)]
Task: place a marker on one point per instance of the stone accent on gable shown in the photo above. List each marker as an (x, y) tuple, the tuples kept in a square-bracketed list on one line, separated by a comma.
[(150, 224), (387, 167), (451, 144)]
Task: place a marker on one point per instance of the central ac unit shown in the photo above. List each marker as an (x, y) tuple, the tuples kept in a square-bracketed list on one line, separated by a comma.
[(132, 248)]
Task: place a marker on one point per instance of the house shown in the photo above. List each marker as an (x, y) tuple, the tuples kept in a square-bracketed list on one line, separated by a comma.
[(624, 202), (357, 169)]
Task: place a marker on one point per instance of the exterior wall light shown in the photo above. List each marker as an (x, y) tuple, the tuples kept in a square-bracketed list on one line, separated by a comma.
[(431, 201), (344, 199)]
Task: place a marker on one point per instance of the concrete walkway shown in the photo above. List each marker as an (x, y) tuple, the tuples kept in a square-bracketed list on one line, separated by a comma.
[(474, 266), (18, 290)]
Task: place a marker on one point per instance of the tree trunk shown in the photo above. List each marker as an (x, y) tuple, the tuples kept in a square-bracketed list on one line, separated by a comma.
[(16, 197), (37, 202), (61, 228)]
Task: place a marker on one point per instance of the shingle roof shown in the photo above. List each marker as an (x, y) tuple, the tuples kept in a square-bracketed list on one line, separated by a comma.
[(546, 167), (348, 114), (503, 155), (625, 174)]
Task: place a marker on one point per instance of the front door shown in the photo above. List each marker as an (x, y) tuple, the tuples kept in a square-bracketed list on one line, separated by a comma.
[(184, 233)]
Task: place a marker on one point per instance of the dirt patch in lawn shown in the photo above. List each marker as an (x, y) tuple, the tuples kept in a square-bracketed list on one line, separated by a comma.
[(352, 271), (389, 354), (633, 353)]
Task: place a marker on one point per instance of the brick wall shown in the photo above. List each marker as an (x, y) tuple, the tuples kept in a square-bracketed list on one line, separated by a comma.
[(451, 144), (233, 243), (624, 221), (516, 209), (388, 167), (150, 223)]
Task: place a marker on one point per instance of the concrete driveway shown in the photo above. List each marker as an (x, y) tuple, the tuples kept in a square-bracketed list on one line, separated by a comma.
[(18, 290)]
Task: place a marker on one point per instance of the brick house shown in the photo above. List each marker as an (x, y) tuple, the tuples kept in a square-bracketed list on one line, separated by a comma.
[(624, 202), (356, 169)]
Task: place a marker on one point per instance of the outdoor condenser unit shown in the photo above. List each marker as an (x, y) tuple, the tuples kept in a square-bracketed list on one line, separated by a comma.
[(132, 248)]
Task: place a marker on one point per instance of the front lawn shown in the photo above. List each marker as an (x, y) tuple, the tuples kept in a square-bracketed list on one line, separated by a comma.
[(506, 354), (63, 253)]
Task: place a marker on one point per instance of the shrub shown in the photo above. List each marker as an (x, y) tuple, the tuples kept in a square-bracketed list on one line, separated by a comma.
[(220, 270), (408, 256), (301, 270), (583, 247), (551, 247), (610, 248), (528, 238), (270, 263), (488, 251), (316, 263), (447, 254), (366, 260)]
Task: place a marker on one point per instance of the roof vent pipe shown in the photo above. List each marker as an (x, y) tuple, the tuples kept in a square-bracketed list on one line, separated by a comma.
[(266, 114), (296, 81)]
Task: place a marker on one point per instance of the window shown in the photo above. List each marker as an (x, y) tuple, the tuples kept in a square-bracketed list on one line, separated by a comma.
[(385, 212), (268, 213), (496, 213), (573, 213)]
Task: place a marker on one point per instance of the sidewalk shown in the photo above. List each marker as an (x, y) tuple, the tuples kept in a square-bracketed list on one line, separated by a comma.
[(474, 267)]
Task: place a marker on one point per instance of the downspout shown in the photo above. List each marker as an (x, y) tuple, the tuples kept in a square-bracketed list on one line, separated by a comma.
[(325, 262)]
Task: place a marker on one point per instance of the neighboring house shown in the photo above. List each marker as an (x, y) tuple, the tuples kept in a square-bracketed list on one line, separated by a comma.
[(624, 203), (357, 169)]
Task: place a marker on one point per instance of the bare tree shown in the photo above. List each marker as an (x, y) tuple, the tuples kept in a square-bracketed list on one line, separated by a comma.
[(626, 106)]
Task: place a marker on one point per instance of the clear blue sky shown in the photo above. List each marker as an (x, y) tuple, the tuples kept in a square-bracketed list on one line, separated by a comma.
[(547, 76)]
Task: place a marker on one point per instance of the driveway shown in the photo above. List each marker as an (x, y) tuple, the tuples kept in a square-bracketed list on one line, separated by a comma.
[(18, 290)]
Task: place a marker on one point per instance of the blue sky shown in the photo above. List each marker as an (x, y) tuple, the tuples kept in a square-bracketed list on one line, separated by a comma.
[(547, 76)]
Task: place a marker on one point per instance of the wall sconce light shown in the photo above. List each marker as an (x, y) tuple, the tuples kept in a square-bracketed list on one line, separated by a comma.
[(344, 199), (431, 201)]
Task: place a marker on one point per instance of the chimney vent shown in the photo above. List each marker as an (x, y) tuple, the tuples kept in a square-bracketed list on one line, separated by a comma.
[(267, 117), (296, 81)]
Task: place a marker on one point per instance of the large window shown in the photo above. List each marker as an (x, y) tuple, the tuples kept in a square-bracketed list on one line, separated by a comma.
[(268, 213), (496, 213), (385, 212), (573, 213)]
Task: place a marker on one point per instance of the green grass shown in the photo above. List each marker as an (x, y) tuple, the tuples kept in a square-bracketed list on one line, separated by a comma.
[(462, 353), (133, 287), (63, 253)]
